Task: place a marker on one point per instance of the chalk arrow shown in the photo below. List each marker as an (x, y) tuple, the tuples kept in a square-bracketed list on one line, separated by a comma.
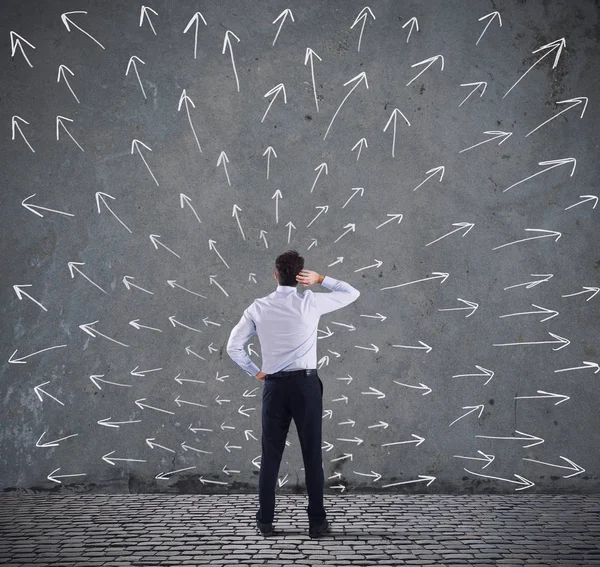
[(430, 61), (421, 386), (533, 283), (546, 395), (212, 281), (277, 195), (378, 264), (375, 347), (15, 41), (324, 209), (586, 289), (173, 321), (185, 200), (61, 73), (127, 284), (376, 476), (361, 77), (73, 266), (422, 478), (53, 476), (268, 152), (523, 482), (188, 350), (541, 310), (235, 214), (154, 239), (552, 163), (134, 145), (195, 20), (440, 169), (37, 389), (425, 347), (144, 12), (362, 142), (394, 117), (479, 407), (309, 57), (487, 458), (438, 275), (132, 62), (496, 133), (491, 15), (20, 293), (87, 328), (356, 190), (477, 85), (184, 98), (585, 198), (283, 16), (227, 42), (575, 467), (136, 372), (414, 23), (356, 440), (223, 159), (376, 316), (586, 364), (363, 14), (550, 233), (560, 340), (319, 169), (14, 125), (576, 102), (350, 226), (31, 208), (417, 440), (59, 120), (275, 91), (485, 372), (211, 246), (460, 225), (66, 21), (101, 196), (21, 360), (394, 217), (556, 45), (471, 305)]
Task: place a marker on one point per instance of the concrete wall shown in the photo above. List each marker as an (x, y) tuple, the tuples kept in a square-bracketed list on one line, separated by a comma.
[(470, 361)]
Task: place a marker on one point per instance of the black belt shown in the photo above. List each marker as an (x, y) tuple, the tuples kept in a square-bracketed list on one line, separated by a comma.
[(301, 372)]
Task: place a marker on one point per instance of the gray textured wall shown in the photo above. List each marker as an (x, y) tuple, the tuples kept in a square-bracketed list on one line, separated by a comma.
[(476, 381)]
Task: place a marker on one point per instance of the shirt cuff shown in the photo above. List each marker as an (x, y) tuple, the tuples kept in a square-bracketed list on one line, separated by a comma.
[(254, 370)]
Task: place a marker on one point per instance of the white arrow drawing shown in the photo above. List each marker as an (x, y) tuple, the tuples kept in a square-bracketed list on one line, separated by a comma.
[(424, 347), (430, 61), (319, 169), (21, 360), (586, 364), (422, 478), (227, 42), (485, 372), (549, 233), (414, 23), (541, 310), (195, 20), (53, 477), (101, 196), (522, 482), (211, 246), (493, 15), (533, 283), (496, 133), (557, 45), (356, 190), (394, 116), (144, 12), (351, 228), (309, 57), (440, 169), (185, 200), (134, 145), (235, 214), (479, 407), (87, 328), (394, 216), (460, 225), (127, 284), (275, 91), (154, 239), (268, 152), (324, 209), (585, 198), (66, 21), (61, 72), (277, 195), (362, 142), (526, 436), (185, 98), (378, 264), (552, 163), (361, 77), (546, 395), (471, 305), (20, 293), (363, 14), (559, 340), (421, 386), (487, 458), (576, 102), (287, 12), (477, 85), (59, 122), (586, 289), (223, 159), (575, 467), (437, 275), (31, 208), (73, 266), (15, 41), (132, 62), (173, 284), (14, 125)]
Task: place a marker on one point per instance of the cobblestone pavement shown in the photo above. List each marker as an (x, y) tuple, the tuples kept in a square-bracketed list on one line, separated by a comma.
[(366, 529)]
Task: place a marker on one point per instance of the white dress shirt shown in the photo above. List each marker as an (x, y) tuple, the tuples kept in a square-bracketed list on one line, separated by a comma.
[(286, 322)]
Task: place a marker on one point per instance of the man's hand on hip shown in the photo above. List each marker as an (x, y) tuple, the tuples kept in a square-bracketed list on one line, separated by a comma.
[(261, 376)]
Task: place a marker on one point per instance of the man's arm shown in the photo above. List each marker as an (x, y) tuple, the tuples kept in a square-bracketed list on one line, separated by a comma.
[(342, 294), (237, 339)]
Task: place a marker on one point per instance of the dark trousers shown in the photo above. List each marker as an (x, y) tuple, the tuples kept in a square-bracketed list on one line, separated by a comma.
[(288, 395)]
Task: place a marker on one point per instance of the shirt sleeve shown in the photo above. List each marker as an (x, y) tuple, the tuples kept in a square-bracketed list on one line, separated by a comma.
[(239, 336), (342, 294)]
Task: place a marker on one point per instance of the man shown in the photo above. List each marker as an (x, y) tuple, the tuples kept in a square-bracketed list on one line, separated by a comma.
[(286, 322)]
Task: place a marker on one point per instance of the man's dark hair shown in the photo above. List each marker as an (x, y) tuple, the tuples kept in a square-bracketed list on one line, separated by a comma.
[(288, 266)]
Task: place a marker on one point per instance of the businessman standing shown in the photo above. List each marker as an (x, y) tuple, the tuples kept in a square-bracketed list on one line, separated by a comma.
[(286, 323)]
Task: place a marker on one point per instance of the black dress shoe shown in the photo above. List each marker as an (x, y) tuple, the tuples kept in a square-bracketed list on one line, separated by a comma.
[(318, 530), (265, 529)]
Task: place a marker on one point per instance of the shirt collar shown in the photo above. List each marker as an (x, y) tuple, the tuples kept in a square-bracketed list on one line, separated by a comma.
[(286, 288)]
